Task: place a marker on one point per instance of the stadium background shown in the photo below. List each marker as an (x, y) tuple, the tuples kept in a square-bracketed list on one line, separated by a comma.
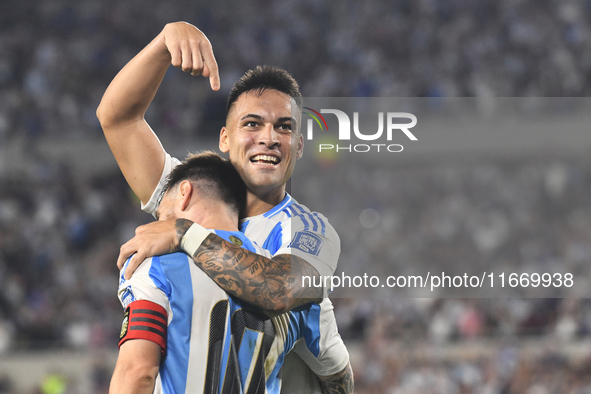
[(65, 208)]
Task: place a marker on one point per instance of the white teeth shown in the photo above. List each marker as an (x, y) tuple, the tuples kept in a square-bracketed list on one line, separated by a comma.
[(272, 159)]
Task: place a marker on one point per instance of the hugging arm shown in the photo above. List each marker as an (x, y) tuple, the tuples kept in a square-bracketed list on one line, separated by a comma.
[(273, 284)]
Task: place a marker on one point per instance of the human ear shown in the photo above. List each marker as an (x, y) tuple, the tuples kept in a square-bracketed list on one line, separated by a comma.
[(224, 147), (185, 194), (300, 148)]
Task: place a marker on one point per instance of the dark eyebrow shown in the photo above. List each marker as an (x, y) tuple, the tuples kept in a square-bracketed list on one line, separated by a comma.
[(280, 120), (259, 117)]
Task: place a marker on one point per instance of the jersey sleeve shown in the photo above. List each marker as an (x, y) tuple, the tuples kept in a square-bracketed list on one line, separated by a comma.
[(144, 298), (152, 205), (322, 347), (312, 238)]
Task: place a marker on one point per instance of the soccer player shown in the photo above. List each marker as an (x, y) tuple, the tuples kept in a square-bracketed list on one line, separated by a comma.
[(263, 140), (173, 308)]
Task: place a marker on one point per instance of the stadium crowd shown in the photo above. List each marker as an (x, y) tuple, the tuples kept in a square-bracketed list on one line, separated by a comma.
[(57, 57), (60, 233)]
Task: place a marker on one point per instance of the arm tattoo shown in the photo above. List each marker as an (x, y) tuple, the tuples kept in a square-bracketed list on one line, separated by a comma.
[(270, 284), (182, 226), (339, 383)]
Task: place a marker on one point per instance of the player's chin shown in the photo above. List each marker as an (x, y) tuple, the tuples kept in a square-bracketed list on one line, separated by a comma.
[(265, 181)]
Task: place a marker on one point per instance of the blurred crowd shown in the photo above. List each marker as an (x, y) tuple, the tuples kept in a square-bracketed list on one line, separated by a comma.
[(530, 215), (505, 215), (60, 233), (57, 56)]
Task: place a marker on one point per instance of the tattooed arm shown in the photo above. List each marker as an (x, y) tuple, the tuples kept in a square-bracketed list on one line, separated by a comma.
[(339, 383), (269, 283)]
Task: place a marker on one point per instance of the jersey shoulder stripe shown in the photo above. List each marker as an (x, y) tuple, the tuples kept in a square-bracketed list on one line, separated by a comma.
[(287, 211), (279, 207), (311, 220)]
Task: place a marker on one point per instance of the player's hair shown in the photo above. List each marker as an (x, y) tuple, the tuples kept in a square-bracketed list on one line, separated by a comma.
[(214, 177), (263, 78)]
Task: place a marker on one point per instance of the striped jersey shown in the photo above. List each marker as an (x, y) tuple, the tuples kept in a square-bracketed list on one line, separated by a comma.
[(201, 356), (291, 228), (288, 228)]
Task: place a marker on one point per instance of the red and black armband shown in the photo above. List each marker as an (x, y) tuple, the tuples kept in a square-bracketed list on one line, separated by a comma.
[(144, 320)]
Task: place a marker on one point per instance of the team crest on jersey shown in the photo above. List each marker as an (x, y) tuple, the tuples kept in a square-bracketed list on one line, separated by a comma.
[(307, 242), (127, 297), (235, 240), (124, 325)]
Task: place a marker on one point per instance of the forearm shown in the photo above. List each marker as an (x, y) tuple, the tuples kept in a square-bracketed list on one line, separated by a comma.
[(137, 367), (132, 381), (130, 93), (269, 283), (339, 383)]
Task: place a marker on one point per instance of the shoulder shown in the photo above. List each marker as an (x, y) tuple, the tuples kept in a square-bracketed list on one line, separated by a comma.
[(309, 235), (177, 257), (154, 271), (301, 218)]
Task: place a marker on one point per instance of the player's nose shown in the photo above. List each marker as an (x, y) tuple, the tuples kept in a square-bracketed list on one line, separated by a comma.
[(268, 136)]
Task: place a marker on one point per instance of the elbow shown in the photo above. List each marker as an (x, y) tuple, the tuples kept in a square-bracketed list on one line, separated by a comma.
[(141, 377), (294, 297), (105, 118), (110, 117), (145, 374)]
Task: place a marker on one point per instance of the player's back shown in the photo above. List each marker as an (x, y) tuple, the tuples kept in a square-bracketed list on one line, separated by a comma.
[(198, 341), (215, 342)]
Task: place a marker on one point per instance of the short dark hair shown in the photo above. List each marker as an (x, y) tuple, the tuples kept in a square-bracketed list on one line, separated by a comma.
[(264, 78), (214, 176)]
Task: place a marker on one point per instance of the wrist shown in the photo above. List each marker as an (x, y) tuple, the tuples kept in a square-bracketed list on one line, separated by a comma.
[(159, 49), (192, 236)]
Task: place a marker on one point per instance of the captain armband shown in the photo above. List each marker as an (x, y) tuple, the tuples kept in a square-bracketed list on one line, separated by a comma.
[(145, 320), (193, 238)]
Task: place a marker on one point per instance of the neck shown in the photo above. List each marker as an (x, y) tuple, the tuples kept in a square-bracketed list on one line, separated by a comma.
[(260, 203), (213, 215)]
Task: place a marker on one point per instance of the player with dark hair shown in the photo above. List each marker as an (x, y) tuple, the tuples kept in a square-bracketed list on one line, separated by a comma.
[(214, 176), (263, 141), (212, 342), (263, 78)]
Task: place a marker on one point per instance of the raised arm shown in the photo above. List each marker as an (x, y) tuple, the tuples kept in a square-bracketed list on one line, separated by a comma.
[(136, 148)]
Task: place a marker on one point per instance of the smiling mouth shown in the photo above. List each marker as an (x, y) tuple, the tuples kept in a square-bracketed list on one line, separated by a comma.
[(265, 159)]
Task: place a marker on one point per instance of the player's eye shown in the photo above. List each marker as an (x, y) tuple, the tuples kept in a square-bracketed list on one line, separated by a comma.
[(250, 123), (284, 128)]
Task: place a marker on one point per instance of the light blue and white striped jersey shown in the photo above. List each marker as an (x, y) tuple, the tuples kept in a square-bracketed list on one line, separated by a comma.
[(291, 228), (201, 356), (288, 228)]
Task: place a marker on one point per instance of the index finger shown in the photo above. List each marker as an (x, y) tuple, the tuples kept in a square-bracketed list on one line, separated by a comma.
[(211, 64)]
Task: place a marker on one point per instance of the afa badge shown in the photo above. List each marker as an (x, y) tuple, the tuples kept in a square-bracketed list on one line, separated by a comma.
[(235, 240), (307, 242), (124, 325)]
